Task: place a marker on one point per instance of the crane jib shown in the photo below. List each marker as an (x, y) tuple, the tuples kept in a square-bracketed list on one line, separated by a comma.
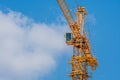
[(66, 11)]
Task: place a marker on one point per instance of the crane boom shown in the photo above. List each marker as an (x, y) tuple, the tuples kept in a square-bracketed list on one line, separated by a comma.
[(75, 26), (66, 11)]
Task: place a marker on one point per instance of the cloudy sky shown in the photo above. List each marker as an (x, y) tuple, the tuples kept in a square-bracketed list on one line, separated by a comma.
[(32, 43)]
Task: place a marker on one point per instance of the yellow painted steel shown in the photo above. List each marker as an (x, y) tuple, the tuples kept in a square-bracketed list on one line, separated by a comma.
[(82, 57)]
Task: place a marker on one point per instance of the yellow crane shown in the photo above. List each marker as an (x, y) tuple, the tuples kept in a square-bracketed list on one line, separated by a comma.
[(82, 57)]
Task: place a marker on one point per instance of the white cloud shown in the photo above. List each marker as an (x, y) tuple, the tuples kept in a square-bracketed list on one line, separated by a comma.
[(27, 49)]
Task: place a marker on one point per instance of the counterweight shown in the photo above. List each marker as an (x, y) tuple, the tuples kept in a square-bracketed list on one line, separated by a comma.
[(82, 57)]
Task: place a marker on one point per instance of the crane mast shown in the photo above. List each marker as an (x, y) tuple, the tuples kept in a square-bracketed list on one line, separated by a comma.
[(82, 57)]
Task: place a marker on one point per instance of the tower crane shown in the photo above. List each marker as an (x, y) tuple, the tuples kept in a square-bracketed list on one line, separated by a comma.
[(82, 57)]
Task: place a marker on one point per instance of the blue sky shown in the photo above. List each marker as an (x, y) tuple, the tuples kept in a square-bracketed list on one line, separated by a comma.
[(105, 34)]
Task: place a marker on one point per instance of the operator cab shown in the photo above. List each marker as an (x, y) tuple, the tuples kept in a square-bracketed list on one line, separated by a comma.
[(69, 37)]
